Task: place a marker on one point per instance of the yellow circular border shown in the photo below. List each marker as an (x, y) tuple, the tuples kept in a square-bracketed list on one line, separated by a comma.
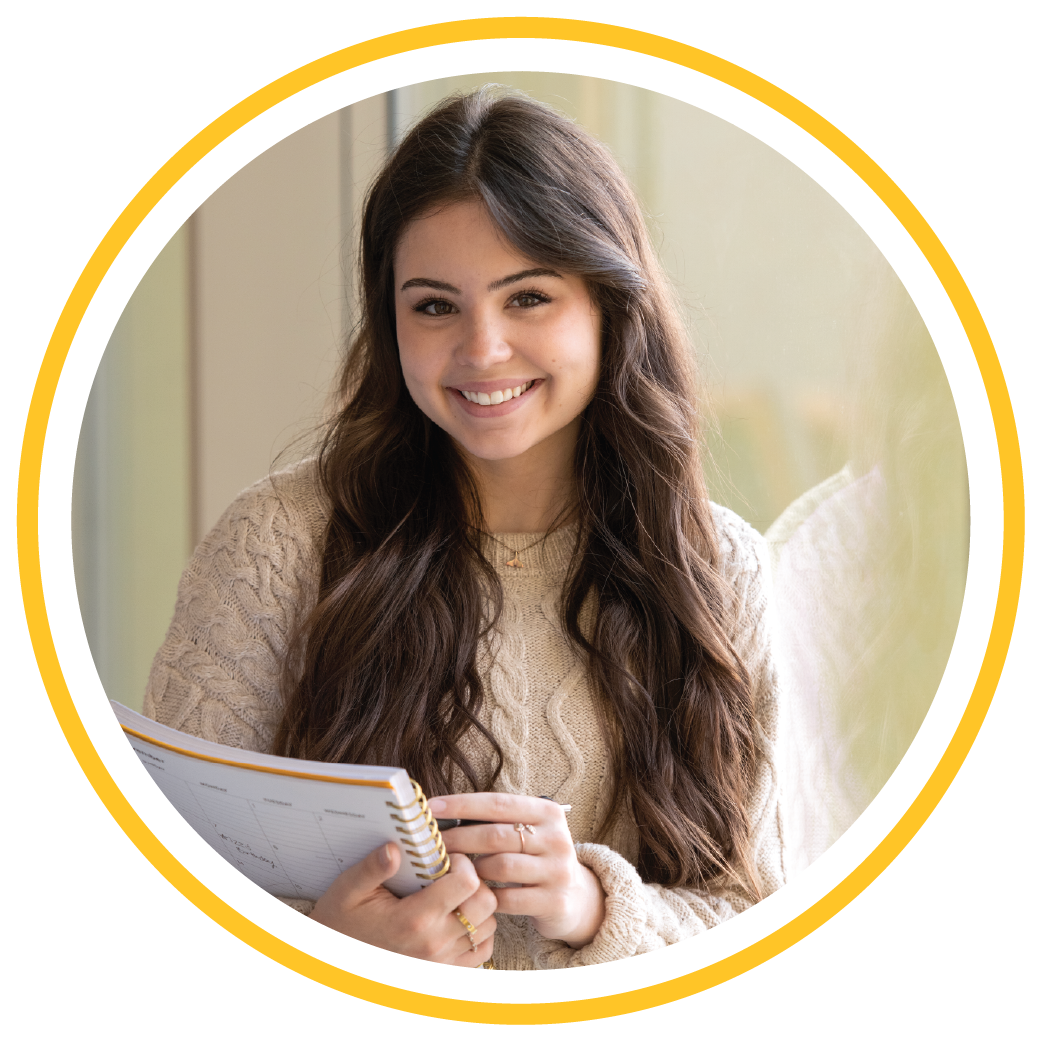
[(547, 29)]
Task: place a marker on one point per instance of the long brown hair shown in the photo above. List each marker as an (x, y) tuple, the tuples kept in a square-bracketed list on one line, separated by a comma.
[(383, 670)]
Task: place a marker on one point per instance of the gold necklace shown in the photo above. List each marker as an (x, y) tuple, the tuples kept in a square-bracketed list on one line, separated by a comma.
[(515, 562)]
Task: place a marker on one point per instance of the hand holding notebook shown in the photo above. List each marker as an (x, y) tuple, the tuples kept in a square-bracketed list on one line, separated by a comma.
[(359, 840), (425, 925)]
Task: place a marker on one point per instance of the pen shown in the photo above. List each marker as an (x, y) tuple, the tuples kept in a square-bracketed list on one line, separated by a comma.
[(454, 823)]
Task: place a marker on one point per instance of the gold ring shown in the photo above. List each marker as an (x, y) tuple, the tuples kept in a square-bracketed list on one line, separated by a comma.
[(520, 828), (469, 927)]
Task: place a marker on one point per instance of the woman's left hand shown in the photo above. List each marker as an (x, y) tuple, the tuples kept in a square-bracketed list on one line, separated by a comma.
[(563, 898)]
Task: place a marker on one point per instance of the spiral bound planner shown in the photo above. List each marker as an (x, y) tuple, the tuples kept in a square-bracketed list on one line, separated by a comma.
[(292, 826)]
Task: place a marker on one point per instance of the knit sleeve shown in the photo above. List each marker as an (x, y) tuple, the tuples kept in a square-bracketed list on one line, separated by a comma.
[(216, 674), (641, 917)]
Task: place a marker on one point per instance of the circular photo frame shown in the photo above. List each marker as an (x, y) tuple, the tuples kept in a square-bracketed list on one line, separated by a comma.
[(993, 462)]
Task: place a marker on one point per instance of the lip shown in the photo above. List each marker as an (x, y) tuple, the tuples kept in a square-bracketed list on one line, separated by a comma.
[(488, 386)]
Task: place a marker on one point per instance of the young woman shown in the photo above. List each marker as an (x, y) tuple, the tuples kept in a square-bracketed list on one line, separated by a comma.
[(502, 572)]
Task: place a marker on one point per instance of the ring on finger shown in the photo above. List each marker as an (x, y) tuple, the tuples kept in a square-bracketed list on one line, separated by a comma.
[(472, 933), (520, 828)]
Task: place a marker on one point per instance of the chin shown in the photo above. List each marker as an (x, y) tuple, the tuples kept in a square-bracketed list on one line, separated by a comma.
[(491, 449)]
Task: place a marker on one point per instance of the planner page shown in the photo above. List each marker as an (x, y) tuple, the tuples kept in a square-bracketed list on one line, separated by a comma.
[(289, 825)]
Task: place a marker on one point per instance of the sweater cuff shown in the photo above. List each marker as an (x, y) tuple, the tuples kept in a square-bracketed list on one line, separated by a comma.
[(625, 914)]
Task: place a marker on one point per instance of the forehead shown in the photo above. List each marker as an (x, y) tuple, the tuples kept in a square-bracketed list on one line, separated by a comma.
[(458, 237)]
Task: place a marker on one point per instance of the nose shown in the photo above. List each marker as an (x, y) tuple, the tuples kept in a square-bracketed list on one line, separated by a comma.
[(482, 342)]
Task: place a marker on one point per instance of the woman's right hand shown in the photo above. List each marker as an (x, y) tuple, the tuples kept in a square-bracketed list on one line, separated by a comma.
[(423, 925)]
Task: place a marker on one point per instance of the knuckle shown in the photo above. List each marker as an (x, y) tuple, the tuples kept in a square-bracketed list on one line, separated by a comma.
[(468, 886), (423, 926), (560, 844)]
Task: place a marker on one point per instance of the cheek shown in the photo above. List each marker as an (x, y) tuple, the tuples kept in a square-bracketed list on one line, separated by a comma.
[(423, 350), (584, 354), (422, 370), (406, 356), (415, 357), (413, 376)]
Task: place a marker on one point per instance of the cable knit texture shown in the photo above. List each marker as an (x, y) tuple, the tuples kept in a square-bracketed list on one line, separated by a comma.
[(216, 676)]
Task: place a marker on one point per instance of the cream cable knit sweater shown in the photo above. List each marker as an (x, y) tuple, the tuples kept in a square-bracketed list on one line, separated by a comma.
[(216, 676)]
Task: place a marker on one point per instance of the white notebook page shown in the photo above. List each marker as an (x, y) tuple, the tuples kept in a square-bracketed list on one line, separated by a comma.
[(291, 835)]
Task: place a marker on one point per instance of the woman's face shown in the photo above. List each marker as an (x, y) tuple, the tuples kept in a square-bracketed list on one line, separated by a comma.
[(498, 350)]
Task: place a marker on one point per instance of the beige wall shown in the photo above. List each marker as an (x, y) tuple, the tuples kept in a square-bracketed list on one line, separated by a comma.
[(273, 285), (268, 312)]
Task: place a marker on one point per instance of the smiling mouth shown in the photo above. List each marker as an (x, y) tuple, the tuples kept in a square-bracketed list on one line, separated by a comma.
[(496, 397)]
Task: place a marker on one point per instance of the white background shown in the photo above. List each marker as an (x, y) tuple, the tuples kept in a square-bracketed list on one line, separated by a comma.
[(98, 97)]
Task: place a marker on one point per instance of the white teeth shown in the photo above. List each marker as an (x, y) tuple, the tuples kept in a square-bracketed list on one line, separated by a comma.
[(496, 397)]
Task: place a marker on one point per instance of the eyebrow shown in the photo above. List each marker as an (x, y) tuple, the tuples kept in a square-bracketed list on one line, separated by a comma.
[(509, 280), (445, 287), (528, 273)]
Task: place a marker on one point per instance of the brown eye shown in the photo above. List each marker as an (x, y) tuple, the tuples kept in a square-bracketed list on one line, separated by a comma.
[(435, 307), (529, 300)]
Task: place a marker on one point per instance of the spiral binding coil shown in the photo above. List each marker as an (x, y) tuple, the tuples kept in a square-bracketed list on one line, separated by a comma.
[(428, 827), (427, 818)]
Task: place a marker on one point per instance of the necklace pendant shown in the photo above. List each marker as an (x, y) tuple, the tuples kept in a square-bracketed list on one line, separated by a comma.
[(516, 562)]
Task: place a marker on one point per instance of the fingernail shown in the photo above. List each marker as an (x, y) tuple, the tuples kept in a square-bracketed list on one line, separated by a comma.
[(437, 806), (385, 855)]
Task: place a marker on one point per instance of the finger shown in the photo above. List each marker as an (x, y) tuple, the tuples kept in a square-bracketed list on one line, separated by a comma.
[(531, 900), (496, 806), (480, 906), (506, 839), (512, 868), (369, 873), (474, 959), (462, 937), (451, 890), (466, 935)]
